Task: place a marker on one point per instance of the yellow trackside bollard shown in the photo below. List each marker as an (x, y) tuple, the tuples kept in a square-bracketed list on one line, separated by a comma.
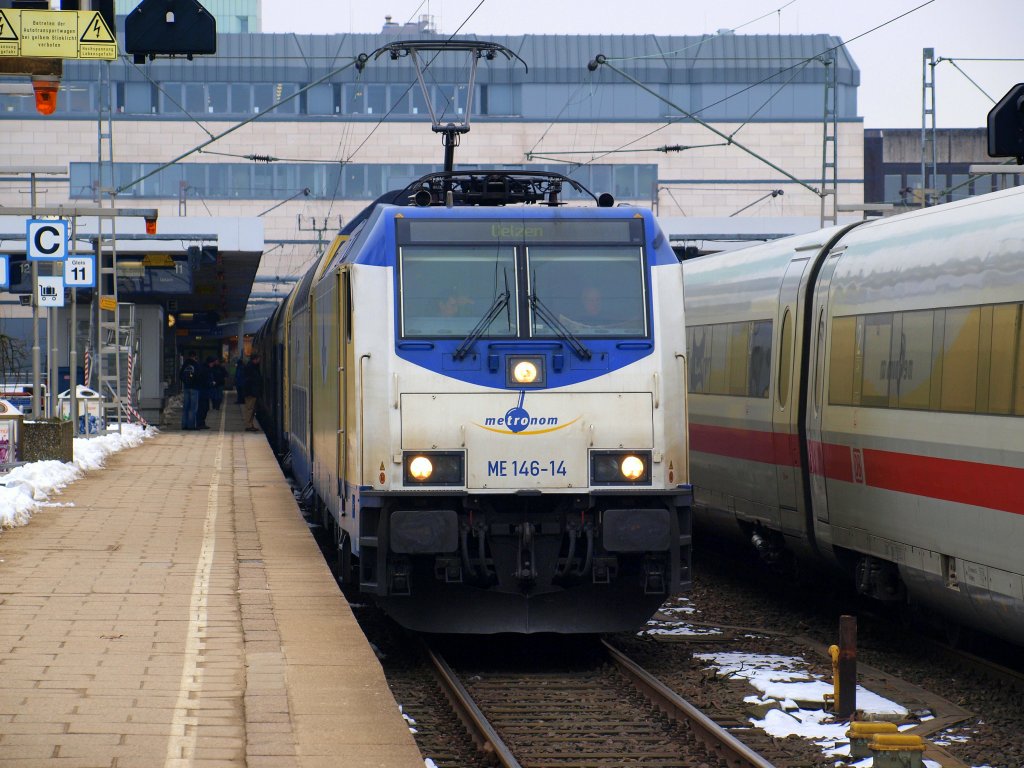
[(861, 733), (897, 750)]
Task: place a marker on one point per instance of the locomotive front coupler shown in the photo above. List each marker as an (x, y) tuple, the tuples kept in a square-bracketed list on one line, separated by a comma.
[(525, 573)]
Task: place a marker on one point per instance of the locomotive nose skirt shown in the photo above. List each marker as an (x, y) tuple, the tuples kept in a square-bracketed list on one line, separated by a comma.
[(424, 531), (636, 530)]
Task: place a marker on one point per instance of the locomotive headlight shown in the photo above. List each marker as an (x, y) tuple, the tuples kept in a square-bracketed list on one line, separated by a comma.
[(421, 468), (434, 467), (620, 467), (525, 372), (632, 468)]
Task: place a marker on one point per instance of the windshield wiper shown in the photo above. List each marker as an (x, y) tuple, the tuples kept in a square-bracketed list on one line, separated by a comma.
[(480, 328), (560, 330)]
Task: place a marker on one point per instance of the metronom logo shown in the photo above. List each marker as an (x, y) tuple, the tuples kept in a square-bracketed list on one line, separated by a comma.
[(518, 421)]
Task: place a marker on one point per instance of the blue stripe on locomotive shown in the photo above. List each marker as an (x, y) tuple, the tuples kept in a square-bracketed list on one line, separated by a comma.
[(484, 365)]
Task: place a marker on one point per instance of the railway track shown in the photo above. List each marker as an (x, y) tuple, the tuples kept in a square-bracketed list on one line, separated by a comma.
[(606, 714)]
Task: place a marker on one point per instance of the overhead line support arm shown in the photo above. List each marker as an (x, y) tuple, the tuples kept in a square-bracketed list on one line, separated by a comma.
[(601, 59)]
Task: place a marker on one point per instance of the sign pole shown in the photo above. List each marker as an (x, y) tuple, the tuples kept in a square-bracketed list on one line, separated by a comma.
[(73, 341), (50, 359), (52, 383), (37, 400)]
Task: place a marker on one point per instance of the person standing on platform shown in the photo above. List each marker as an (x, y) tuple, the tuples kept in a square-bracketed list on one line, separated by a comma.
[(220, 377), (253, 386), (205, 392), (240, 380), (190, 382)]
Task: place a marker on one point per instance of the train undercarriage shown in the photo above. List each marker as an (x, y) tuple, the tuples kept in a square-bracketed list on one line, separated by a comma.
[(523, 564)]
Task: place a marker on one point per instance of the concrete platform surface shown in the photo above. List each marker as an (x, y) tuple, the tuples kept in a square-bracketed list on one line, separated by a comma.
[(176, 612)]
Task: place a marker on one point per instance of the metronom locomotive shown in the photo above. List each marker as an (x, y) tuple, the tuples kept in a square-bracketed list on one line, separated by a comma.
[(856, 397), (481, 391)]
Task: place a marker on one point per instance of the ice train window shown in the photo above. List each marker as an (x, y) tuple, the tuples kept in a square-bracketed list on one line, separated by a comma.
[(446, 290), (592, 290), (699, 350), (841, 360), (1005, 330), (718, 376), (739, 357), (960, 360), (879, 367), (914, 373), (759, 366)]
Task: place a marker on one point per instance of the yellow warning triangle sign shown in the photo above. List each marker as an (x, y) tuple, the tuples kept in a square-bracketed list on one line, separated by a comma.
[(6, 28), (96, 31)]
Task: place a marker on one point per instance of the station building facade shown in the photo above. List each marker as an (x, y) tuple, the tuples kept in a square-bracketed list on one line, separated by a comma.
[(894, 174), (306, 165)]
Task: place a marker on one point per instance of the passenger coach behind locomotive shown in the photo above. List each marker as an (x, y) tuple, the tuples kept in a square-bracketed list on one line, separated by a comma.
[(484, 398), (856, 397)]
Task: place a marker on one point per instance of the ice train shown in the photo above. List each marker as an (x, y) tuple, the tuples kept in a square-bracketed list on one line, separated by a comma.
[(856, 397)]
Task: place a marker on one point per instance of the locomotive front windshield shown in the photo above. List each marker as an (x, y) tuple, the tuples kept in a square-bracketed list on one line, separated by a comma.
[(592, 291), (525, 280), (447, 290)]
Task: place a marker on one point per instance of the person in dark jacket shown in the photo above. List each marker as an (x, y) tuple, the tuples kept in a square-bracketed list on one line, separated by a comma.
[(240, 380), (253, 387), (220, 377), (205, 392), (190, 384)]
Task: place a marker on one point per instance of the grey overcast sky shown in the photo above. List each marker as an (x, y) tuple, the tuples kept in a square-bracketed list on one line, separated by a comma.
[(890, 58)]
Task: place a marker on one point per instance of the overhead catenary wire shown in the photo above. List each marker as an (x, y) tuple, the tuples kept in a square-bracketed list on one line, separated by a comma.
[(704, 38), (569, 99), (167, 95), (234, 128), (663, 149), (259, 158), (677, 147), (801, 62)]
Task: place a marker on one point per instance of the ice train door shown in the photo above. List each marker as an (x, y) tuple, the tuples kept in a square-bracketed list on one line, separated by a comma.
[(785, 408)]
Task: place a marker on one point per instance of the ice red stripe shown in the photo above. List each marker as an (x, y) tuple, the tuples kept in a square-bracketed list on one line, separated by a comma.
[(965, 482), (747, 444)]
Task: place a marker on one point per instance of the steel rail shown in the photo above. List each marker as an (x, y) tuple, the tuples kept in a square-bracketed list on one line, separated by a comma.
[(713, 736), (481, 731)]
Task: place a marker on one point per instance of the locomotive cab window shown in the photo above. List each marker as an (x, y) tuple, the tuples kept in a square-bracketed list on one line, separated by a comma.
[(584, 277), (591, 290), (446, 290)]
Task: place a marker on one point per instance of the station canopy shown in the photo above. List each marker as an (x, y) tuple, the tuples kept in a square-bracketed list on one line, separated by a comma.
[(201, 265)]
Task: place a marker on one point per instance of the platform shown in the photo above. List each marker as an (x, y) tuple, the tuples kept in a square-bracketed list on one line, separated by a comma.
[(180, 614)]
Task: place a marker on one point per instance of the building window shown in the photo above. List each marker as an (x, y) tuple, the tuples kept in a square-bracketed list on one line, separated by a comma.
[(326, 181)]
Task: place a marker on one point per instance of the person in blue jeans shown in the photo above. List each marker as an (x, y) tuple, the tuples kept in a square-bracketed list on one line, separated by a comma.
[(191, 382)]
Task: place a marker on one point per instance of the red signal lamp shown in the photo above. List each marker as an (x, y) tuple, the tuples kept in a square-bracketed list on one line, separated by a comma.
[(151, 226), (46, 88)]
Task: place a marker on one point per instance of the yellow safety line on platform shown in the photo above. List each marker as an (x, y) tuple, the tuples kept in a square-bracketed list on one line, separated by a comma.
[(181, 746)]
